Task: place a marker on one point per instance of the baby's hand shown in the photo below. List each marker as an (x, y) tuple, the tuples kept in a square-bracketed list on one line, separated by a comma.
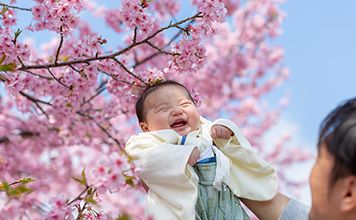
[(219, 131), (194, 156)]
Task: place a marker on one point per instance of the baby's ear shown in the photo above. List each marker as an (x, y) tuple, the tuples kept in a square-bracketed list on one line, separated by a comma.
[(144, 127)]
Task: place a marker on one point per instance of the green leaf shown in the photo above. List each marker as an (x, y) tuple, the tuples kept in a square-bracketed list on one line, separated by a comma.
[(15, 192), (90, 200), (17, 34), (26, 180), (65, 58), (124, 216), (18, 191), (2, 58), (129, 180), (76, 179), (4, 9), (83, 176), (4, 78), (82, 181), (4, 186), (10, 67), (83, 75)]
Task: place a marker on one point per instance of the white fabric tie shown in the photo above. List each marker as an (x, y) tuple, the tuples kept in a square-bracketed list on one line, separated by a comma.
[(206, 154), (223, 165)]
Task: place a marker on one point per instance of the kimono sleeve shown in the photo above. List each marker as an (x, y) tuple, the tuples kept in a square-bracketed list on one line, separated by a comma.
[(251, 177), (172, 183)]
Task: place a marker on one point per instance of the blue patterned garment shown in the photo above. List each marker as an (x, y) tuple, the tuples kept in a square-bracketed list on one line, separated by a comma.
[(213, 204)]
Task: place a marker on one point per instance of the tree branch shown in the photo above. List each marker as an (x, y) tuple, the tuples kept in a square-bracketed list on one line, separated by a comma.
[(81, 211), (74, 68), (160, 50), (135, 35), (15, 7), (102, 128), (170, 26), (119, 80), (4, 140), (157, 53), (146, 59), (103, 83), (83, 208), (23, 134), (95, 95), (76, 198), (135, 56), (111, 137), (34, 100), (127, 70), (58, 79), (23, 65), (59, 48), (113, 55), (35, 74)]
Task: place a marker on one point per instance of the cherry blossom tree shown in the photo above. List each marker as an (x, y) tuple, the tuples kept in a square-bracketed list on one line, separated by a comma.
[(68, 106)]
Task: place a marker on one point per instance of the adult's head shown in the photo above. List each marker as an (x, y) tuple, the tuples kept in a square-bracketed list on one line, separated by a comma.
[(333, 177), (167, 105)]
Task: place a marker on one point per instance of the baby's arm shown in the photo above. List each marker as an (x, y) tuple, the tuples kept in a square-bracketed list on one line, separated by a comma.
[(220, 131)]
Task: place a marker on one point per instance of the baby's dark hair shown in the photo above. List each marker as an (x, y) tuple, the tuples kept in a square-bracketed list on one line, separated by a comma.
[(140, 111)]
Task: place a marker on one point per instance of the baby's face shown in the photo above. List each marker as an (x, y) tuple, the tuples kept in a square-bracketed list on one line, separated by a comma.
[(170, 107)]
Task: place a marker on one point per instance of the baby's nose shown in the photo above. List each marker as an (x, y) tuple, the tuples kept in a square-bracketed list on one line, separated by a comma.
[(176, 111)]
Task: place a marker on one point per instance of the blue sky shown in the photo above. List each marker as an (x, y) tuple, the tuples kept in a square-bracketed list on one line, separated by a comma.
[(320, 49)]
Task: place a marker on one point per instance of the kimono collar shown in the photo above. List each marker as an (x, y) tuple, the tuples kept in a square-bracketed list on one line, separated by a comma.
[(170, 136)]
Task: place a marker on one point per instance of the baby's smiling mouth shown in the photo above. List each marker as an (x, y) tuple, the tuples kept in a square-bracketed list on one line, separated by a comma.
[(178, 123)]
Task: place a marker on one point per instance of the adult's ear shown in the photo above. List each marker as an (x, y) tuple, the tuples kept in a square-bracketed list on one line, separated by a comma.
[(144, 127), (348, 200)]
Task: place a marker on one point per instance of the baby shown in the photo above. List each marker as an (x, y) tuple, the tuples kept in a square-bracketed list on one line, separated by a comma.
[(193, 168)]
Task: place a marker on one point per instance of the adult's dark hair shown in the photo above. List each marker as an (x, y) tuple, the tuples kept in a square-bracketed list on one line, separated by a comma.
[(140, 111), (338, 135)]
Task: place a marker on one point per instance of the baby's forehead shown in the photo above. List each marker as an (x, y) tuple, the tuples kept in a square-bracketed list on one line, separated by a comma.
[(151, 98), (170, 87)]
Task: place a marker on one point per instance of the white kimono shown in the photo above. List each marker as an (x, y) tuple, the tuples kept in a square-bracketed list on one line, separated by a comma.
[(173, 184)]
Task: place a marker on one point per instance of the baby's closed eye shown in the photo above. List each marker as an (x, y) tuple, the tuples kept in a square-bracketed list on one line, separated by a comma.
[(185, 104), (162, 109)]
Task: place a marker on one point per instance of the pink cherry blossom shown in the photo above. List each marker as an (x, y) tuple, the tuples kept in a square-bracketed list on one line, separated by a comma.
[(9, 18), (59, 209), (213, 10), (69, 100), (134, 14)]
